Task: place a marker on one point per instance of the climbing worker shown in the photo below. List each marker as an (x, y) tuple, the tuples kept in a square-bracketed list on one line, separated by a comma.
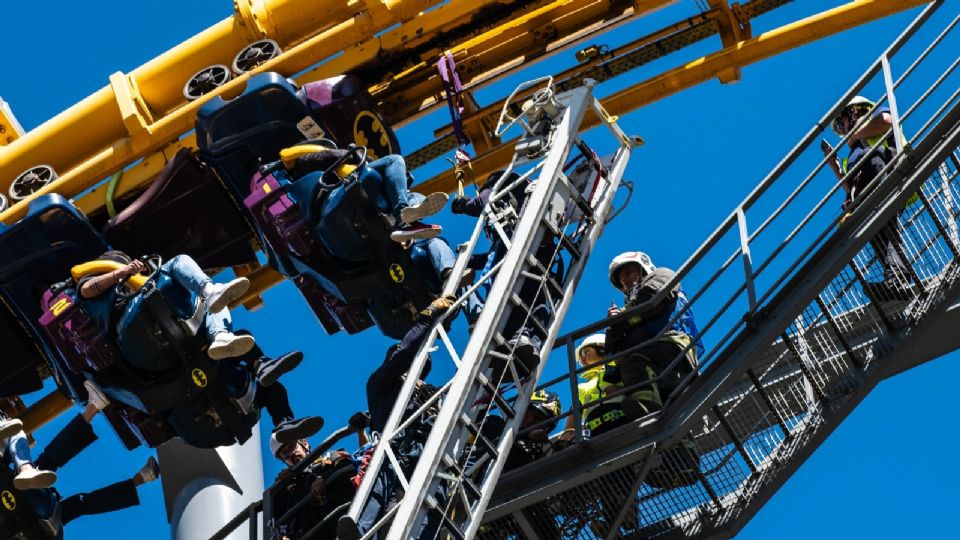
[(383, 390), (522, 329), (254, 371), (185, 271), (532, 441), (603, 381), (661, 342), (76, 436), (872, 146), (327, 482), (384, 180)]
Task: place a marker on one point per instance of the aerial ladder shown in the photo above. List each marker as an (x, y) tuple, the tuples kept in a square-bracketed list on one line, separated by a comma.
[(564, 215), (798, 331)]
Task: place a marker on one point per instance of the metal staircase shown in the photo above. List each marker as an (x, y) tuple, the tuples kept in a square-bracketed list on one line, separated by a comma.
[(546, 241), (799, 344)]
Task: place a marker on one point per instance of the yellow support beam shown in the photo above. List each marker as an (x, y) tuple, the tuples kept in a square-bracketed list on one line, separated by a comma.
[(742, 54), (44, 410), (10, 128), (92, 138)]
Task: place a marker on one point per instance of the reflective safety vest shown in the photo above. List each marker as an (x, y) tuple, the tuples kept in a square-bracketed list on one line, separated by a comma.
[(599, 385)]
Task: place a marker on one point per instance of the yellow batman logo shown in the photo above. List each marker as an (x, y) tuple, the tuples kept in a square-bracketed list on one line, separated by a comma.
[(9, 501), (199, 377), (396, 273)]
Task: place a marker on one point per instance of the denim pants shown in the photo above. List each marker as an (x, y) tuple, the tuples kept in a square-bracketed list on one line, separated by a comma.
[(432, 256), (385, 181), (217, 322), (18, 450), (185, 271)]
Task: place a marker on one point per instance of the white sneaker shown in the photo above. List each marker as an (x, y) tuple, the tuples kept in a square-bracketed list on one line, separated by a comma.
[(220, 295), (227, 345), (95, 395), (34, 479), (9, 428), (150, 471), (429, 206)]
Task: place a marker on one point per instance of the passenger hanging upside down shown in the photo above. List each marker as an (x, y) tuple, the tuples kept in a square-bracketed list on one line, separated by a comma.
[(186, 272), (67, 444), (328, 482), (254, 371), (385, 181)]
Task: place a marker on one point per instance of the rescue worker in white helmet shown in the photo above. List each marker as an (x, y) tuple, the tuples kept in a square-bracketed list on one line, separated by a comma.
[(665, 332), (603, 380), (872, 147), (327, 482)]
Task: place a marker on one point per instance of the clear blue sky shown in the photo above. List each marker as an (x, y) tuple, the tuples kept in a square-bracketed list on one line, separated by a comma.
[(706, 149)]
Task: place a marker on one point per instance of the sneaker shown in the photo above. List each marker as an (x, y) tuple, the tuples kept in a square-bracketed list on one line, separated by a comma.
[(632, 408), (34, 479), (270, 370), (227, 345), (9, 428), (429, 206), (219, 295), (95, 395), (414, 231), (150, 470), (294, 430)]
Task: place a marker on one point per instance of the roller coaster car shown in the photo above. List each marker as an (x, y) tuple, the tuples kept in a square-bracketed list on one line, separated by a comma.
[(34, 252), (184, 211), (151, 359), (330, 240), (28, 515)]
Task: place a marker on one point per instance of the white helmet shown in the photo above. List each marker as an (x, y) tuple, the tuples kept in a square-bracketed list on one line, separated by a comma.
[(854, 102), (597, 341), (626, 258), (275, 445)]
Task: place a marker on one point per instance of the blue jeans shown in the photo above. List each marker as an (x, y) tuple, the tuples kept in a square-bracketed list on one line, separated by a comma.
[(432, 256), (18, 450), (385, 181), (185, 271)]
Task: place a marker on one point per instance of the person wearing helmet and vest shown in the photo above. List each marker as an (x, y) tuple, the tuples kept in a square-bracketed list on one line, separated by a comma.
[(871, 149), (327, 482), (603, 380), (665, 332)]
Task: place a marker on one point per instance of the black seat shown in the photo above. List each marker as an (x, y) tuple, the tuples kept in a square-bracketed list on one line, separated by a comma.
[(185, 210)]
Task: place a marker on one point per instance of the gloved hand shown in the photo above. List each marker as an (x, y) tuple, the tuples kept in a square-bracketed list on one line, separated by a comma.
[(458, 205), (359, 421), (438, 307)]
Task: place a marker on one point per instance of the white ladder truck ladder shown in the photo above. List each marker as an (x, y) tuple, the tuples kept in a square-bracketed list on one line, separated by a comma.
[(567, 212)]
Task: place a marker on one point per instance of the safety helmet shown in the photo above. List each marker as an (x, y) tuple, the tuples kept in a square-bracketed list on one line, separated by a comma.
[(546, 402), (276, 445), (597, 341), (626, 258), (854, 103)]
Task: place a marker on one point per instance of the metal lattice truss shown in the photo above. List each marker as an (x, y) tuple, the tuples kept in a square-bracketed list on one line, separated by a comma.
[(558, 224), (808, 333)]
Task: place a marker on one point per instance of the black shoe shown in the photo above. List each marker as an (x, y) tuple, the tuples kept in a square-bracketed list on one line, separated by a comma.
[(632, 408), (268, 372), (890, 290), (294, 430), (526, 355), (347, 529)]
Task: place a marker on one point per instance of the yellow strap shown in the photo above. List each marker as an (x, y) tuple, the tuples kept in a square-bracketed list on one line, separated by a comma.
[(289, 156), (102, 267)]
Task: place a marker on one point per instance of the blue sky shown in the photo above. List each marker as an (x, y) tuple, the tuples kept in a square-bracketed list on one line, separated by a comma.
[(706, 148)]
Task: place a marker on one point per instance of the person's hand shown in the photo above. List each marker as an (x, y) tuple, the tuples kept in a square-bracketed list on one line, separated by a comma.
[(568, 435), (439, 306), (134, 268), (826, 147), (614, 310), (359, 421), (319, 489), (458, 205), (282, 475)]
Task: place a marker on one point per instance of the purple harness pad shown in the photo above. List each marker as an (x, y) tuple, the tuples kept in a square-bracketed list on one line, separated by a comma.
[(83, 344), (279, 217)]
